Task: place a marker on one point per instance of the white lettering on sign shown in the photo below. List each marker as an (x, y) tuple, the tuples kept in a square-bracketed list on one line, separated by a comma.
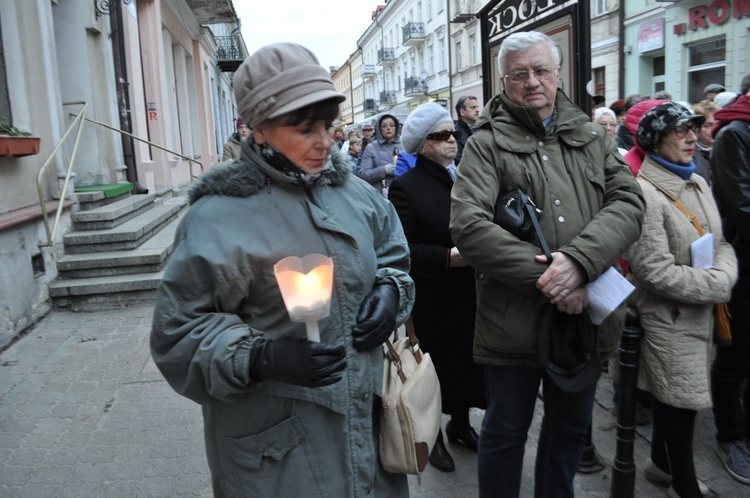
[(509, 15)]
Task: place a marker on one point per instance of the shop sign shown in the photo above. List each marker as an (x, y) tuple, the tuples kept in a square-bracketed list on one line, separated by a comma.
[(651, 36), (717, 12), (515, 13)]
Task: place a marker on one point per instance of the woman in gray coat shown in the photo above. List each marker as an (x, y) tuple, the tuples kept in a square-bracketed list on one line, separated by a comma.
[(378, 163), (284, 416), (675, 294)]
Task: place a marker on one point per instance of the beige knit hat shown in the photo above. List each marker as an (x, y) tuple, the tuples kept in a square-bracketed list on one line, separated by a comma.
[(278, 79)]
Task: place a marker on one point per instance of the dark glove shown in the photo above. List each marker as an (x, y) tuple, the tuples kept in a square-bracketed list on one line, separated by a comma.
[(376, 318), (297, 361)]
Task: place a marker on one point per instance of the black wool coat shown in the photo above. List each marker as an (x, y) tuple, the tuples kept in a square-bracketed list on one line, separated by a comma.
[(445, 303)]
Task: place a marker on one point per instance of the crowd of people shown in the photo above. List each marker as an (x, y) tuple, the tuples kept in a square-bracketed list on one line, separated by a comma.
[(410, 215)]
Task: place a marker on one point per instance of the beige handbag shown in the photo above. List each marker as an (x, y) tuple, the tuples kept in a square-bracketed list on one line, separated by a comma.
[(410, 415)]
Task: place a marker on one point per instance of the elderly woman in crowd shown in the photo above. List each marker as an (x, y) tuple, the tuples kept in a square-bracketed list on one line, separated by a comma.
[(284, 416), (608, 119), (378, 163), (446, 298), (705, 141), (675, 293)]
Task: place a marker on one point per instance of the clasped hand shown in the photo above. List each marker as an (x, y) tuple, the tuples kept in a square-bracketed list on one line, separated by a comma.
[(562, 283)]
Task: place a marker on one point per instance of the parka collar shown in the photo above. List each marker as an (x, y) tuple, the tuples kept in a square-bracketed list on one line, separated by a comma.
[(247, 175), (664, 180)]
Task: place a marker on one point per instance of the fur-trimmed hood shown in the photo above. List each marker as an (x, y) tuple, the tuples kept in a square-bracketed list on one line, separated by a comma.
[(248, 174)]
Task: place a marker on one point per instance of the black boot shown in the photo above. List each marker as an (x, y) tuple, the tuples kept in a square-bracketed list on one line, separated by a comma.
[(467, 436), (440, 458)]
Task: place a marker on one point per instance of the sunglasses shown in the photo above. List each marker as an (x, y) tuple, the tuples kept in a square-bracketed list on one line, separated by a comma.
[(444, 136)]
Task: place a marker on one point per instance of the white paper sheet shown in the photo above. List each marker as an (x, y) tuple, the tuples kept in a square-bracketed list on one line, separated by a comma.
[(702, 251), (606, 293)]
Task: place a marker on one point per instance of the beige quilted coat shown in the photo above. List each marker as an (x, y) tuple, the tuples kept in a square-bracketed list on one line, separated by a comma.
[(675, 300)]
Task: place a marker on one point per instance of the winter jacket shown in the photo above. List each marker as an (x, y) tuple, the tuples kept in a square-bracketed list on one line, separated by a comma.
[(466, 132), (231, 148), (445, 296), (378, 154), (674, 300), (592, 210), (730, 160), (219, 295)]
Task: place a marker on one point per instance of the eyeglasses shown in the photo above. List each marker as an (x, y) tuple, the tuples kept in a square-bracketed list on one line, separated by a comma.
[(683, 130), (444, 136), (542, 74)]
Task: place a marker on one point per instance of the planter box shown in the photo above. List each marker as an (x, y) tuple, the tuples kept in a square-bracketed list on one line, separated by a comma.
[(19, 146)]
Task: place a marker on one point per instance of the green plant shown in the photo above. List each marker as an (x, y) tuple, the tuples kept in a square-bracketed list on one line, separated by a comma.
[(5, 127)]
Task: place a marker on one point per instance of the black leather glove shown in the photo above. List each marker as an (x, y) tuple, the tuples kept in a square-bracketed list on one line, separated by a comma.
[(297, 361), (377, 317)]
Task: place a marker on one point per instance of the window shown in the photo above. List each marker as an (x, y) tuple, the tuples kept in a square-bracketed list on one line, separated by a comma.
[(472, 50), (430, 60), (599, 81), (706, 64), (4, 99), (419, 11), (459, 58), (443, 57), (600, 7), (657, 74), (429, 10)]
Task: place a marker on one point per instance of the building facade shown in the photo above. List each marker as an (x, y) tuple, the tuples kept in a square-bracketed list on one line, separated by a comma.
[(148, 67), (682, 46)]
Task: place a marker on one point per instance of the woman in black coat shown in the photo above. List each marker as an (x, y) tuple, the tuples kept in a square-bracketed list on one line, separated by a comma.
[(445, 303)]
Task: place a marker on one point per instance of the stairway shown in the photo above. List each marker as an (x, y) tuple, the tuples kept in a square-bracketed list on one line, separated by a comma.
[(118, 248)]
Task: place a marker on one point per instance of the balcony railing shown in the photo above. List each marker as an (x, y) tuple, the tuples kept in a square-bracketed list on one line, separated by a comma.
[(387, 97), (413, 33), (386, 56), (370, 105), (414, 85), (228, 53), (368, 71)]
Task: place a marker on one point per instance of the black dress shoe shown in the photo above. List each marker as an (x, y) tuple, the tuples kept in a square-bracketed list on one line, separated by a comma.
[(468, 436), (440, 458)]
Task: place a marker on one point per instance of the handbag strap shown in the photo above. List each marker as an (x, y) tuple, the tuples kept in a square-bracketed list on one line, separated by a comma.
[(693, 219), (542, 241), (413, 345)]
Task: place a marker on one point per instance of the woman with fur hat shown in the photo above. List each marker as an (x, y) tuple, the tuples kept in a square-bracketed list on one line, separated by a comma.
[(232, 147), (446, 298), (283, 415), (676, 292), (378, 164)]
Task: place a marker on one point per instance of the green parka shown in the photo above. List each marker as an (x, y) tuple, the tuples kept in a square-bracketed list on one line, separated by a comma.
[(219, 294), (592, 211)]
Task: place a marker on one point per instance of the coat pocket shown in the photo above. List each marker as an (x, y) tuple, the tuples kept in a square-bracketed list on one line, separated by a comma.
[(276, 459)]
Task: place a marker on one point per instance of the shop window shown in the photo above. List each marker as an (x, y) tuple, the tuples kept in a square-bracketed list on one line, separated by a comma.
[(599, 81), (657, 75), (706, 64)]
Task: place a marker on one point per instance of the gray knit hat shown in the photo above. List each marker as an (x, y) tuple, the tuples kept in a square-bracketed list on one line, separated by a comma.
[(421, 122), (278, 79), (661, 120)]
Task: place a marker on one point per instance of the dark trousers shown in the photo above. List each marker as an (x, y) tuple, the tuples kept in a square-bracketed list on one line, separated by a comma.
[(511, 397), (730, 375), (672, 446)]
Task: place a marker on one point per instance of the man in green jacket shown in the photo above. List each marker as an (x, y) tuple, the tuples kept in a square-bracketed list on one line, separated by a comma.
[(532, 137)]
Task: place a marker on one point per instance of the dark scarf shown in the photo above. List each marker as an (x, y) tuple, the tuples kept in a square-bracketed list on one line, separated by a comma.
[(739, 111)]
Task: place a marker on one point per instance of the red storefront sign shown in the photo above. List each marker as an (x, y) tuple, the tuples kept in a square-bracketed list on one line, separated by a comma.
[(717, 12), (651, 36)]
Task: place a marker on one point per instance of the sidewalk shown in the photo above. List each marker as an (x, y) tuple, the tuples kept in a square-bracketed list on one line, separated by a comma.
[(85, 413)]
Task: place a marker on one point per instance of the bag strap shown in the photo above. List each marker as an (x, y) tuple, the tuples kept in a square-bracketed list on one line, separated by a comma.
[(693, 219), (413, 345), (531, 208)]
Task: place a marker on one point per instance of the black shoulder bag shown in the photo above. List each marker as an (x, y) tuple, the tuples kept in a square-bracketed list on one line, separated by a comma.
[(516, 212)]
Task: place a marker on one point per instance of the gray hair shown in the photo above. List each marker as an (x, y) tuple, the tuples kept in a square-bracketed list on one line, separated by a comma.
[(523, 41)]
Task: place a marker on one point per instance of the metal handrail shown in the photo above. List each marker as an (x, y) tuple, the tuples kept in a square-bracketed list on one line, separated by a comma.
[(80, 118)]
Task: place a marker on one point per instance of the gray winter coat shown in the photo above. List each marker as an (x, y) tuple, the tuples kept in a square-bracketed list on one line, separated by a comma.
[(591, 205), (377, 155), (219, 294)]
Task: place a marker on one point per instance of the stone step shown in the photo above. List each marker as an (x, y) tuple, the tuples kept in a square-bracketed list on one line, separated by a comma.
[(151, 256), (130, 235), (95, 199), (113, 214), (101, 292)]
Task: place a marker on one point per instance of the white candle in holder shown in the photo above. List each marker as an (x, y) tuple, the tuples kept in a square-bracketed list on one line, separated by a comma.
[(305, 285)]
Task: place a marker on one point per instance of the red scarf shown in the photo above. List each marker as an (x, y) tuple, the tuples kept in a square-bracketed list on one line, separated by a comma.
[(739, 111)]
